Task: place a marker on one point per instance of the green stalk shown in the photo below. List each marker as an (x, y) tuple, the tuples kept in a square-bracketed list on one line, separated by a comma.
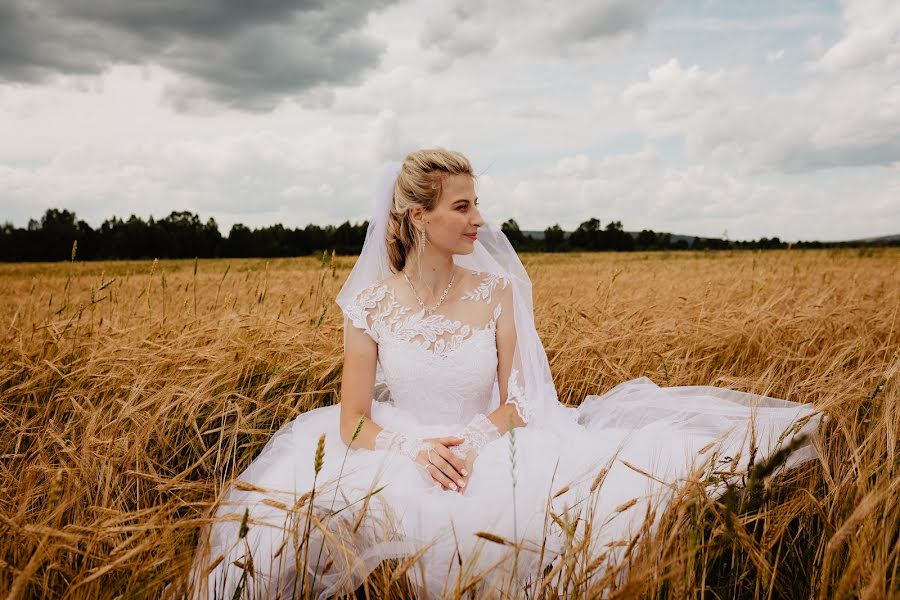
[(317, 466), (334, 497), (512, 458), (195, 287)]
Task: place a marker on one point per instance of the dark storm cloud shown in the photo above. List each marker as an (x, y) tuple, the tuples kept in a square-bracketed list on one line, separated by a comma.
[(247, 55)]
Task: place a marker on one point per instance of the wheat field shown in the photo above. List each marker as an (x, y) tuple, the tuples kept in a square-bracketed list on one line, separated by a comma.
[(133, 391)]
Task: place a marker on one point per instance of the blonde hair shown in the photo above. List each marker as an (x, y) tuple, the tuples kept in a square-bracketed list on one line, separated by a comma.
[(419, 183)]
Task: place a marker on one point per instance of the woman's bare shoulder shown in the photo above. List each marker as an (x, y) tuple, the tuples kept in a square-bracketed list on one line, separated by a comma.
[(469, 274)]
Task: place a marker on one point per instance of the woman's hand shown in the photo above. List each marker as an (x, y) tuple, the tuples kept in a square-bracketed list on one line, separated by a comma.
[(470, 462), (444, 467)]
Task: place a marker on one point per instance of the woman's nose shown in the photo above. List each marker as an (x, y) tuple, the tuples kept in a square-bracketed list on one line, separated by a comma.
[(478, 220)]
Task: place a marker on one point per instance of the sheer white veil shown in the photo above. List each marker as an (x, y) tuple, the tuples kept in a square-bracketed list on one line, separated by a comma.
[(531, 385)]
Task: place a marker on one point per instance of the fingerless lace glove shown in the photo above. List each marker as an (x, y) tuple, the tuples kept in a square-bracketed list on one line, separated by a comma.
[(398, 443), (476, 434)]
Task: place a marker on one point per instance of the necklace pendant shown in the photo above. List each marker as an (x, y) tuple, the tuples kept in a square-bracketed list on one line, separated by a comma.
[(428, 311)]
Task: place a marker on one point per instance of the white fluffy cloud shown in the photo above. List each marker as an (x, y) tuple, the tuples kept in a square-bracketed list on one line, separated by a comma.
[(257, 178), (847, 114), (642, 192), (848, 119), (871, 38), (634, 188)]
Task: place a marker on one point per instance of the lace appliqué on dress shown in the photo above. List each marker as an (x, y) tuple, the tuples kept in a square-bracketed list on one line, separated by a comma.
[(448, 363), (393, 441), (486, 287), (516, 395), (368, 299), (378, 313), (430, 329), (477, 433)]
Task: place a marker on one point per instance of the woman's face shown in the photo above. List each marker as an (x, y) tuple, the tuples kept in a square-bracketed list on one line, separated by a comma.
[(453, 224)]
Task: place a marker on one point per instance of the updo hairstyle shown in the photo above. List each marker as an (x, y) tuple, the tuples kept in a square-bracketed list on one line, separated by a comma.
[(419, 183)]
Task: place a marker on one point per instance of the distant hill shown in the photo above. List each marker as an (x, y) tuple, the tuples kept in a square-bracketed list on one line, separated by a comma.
[(884, 239)]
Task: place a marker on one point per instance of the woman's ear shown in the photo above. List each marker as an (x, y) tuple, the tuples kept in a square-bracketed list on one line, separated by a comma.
[(416, 216)]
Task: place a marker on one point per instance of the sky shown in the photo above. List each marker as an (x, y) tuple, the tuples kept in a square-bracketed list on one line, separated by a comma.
[(710, 118)]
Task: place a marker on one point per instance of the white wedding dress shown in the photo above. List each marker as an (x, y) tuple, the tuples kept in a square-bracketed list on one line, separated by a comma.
[(433, 375)]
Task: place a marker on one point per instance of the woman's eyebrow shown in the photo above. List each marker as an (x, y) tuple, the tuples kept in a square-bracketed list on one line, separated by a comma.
[(465, 199)]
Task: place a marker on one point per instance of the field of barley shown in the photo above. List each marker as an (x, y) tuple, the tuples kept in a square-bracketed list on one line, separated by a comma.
[(133, 391)]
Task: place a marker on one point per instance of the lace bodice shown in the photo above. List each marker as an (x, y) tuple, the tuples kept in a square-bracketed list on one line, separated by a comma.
[(440, 367)]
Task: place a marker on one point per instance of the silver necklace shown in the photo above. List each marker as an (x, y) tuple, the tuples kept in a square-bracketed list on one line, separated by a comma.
[(427, 310)]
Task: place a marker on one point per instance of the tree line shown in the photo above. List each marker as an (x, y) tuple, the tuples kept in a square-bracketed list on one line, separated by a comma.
[(590, 237), (182, 234)]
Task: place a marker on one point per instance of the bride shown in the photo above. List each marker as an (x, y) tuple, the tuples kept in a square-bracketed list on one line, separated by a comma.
[(450, 449)]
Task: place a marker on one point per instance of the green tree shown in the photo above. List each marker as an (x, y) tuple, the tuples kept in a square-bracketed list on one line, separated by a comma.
[(554, 238), (585, 236), (512, 232)]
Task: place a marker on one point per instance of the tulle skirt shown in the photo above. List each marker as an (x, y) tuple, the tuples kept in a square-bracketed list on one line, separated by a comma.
[(642, 441)]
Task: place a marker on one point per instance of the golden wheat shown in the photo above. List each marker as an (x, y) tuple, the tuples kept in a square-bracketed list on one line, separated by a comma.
[(132, 392)]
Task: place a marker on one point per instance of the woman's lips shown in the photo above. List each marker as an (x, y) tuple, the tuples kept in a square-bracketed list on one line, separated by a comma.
[(471, 235)]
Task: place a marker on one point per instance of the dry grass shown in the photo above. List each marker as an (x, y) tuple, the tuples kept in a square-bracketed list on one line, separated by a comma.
[(133, 391)]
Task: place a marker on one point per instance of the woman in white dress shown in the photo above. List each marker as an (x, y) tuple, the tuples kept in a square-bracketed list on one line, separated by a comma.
[(449, 426)]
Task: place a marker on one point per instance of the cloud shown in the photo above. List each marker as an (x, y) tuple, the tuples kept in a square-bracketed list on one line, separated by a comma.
[(636, 188), (477, 27), (328, 176), (847, 120), (871, 38), (535, 111), (259, 178), (460, 33), (639, 190), (242, 55), (775, 55), (697, 23), (406, 90), (844, 110), (560, 124)]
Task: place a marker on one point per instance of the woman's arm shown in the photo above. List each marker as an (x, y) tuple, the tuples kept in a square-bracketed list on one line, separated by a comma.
[(483, 429), (506, 346), (357, 386)]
